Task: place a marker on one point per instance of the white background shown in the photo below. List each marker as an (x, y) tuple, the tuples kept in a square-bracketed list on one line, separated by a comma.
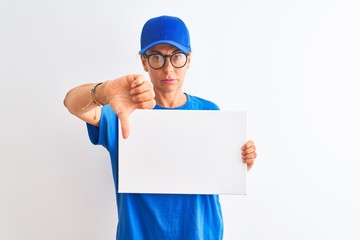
[(293, 65)]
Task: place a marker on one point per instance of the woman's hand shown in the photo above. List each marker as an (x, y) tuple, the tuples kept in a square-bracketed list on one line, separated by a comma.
[(124, 95), (249, 154), (127, 93)]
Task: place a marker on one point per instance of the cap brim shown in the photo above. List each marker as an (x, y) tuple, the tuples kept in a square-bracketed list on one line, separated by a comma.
[(175, 44)]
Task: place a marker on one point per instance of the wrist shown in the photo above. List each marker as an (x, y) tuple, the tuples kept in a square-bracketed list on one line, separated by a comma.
[(94, 94)]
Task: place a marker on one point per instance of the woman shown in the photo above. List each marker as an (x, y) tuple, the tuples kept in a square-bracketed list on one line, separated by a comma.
[(165, 55)]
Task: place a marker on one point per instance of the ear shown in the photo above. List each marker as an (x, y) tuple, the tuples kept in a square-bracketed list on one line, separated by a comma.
[(188, 60), (143, 62)]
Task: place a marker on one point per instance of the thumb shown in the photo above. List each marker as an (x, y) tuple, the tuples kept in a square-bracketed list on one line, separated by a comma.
[(125, 125), (122, 108)]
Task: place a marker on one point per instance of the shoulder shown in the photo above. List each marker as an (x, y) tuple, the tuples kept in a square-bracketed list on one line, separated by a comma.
[(201, 103)]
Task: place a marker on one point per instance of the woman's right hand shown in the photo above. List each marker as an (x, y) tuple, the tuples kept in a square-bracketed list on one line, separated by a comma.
[(125, 94)]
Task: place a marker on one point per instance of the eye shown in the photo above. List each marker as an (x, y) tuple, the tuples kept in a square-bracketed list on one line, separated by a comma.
[(177, 56), (157, 58)]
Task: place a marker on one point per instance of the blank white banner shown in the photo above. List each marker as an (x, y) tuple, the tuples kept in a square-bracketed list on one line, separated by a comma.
[(185, 152)]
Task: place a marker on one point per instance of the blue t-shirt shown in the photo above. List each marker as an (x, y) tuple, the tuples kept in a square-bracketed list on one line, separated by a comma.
[(159, 216)]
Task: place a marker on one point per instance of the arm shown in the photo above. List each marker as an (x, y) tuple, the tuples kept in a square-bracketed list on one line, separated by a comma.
[(124, 95), (79, 103)]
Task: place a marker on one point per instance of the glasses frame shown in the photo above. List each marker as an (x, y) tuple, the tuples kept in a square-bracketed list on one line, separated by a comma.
[(165, 57)]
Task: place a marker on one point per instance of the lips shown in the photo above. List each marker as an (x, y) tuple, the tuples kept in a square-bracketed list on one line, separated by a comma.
[(169, 80)]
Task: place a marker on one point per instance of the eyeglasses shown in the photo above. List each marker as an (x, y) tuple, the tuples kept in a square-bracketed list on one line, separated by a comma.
[(157, 60)]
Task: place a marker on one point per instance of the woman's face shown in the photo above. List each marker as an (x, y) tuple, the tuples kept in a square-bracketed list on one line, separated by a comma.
[(167, 79)]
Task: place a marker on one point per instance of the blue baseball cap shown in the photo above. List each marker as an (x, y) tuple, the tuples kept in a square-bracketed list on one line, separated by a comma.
[(165, 29)]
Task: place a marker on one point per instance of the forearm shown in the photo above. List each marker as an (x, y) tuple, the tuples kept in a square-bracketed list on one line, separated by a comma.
[(123, 94), (80, 103)]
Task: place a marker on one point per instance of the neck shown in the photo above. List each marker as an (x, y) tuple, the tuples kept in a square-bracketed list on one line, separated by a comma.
[(170, 100)]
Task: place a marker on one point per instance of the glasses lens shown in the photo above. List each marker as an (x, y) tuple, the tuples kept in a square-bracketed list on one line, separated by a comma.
[(156, 61), (178, 60)]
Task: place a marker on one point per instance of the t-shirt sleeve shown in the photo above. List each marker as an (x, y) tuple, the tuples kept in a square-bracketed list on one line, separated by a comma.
[(215, 107), (106, 130)]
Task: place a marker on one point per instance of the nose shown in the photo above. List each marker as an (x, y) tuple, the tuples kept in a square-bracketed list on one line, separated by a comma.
[(168, 67)]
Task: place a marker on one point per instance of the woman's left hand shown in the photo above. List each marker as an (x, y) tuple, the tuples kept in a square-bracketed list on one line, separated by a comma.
[(249, 154)]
